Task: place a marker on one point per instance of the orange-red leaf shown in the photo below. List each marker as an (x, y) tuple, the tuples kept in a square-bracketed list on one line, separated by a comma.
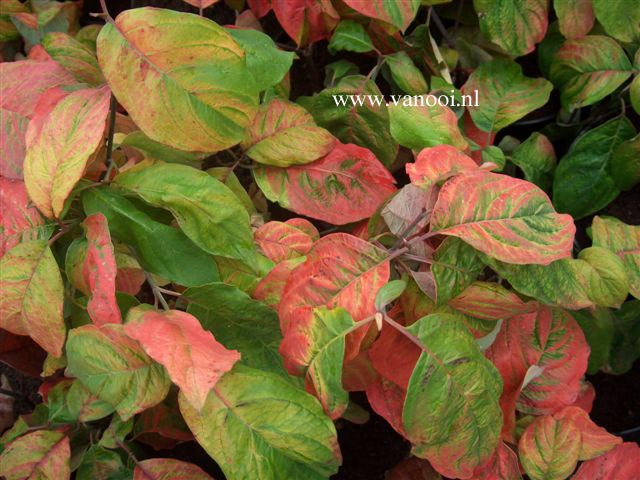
[(508, 219), (99, 271), (399, 13), (551, 340), (489, 301), (503, 465), (192, 356), (281, 241), (340, 271), (306, 21), (551, 446), (394, 356), (18, 221), (438, 163), (387, 399), (621, 463), (168, 469), (345, 186), (271, 287)]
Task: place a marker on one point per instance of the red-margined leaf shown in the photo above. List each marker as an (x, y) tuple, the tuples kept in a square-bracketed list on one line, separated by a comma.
[(399, 13), (489, 301), (452, 380), (588, 69), (168, 468), (283, 134), (182, 78), (77, 58), (256, 424), (550, 340), (575, 17), (306, 21), (281, 241), (345, 186), (340, 271), (505, 95), (19, 222), (624, 241), (192, 356), (100, 270), (114, 367), (515, 27), (621, 463), (503, 465), (32, 295), (58, 153), (37, 455), (424, 124), (271, 287), (551, 446), (436, 164), (508, 219), (326, 334), (412, 468)]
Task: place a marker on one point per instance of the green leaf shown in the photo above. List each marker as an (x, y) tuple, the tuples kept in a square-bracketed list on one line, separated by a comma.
[(98, 463), (537, 159), (70, 402), (588, 69), (514, 26), (229, 178), (495, 155), (75, 57), (625, 164), (336, 71), (619, 18), (115, 368), (365, 125), (207, 210), (505, 95), (161, 250), (598, 328), (350, 36), (276, 429), (182, 78), (405, 74), (421, 126), (266, 63), (32, 295), (624, 241), (583, 183), (239, 322), (454, 381), (456, 265), (609, 285), (153, 150), (625, 348), (389, 292)]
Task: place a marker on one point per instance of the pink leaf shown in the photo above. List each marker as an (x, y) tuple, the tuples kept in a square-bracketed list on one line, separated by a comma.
[(18, 221), (621, 463), (306, 21), (436, 164), (281, 241)]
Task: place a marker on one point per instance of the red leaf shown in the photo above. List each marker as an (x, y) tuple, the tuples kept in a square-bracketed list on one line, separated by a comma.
[(387, 400), (260, 7), (347, 185), (21, 353), (503, 465), (394, 356), (412, 468), (358, 374), (510, 219), (586, 396), (399, 13), (162, 426), (281, 241), (99, 271), (621, 463), (551, 340), (271, 287), (306, 21), (168, 469), (18, 221), (340, 271), (490, 301), (192, 356), (436, 164)]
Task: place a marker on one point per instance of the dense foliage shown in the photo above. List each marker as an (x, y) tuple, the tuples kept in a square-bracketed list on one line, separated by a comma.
[(432, 263)]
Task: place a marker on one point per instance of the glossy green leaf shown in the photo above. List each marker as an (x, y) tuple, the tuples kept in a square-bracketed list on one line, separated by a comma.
[(625, 164), (161, 249), (207, 210), (115, 368), (275, 429), (452, 380), (388, 293), (284, 134), (350, 36), (405, 74), (588, 69), (182, 78), (511, 220), (537, 159), (620, 19), (583, 183), (505, 95), (427, 125), (366, 125), (240, 323), (32, 295), (514, 26), (75, 57), (42, 455), (266, 63), (598, 328), (624, 241)]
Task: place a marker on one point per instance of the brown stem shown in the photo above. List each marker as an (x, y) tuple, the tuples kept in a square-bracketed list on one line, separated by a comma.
[(112, 130)]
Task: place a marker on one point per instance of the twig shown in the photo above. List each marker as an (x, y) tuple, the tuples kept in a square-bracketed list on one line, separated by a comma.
[(112, 130), (157, 293), (105, 12), (409, 228), (169, 292), (440, 26)]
